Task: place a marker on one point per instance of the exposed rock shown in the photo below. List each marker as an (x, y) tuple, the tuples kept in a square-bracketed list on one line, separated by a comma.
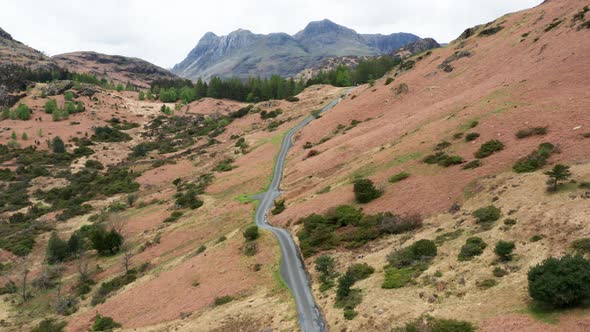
[(58, 87), (87, 90)]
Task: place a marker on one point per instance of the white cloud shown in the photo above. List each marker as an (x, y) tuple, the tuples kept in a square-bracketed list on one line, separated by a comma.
[(163, 32)]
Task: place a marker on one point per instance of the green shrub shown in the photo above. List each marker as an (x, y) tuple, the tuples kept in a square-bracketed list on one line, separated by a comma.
[(490, 31), (49, 325), (504, 250), (223, 300), (553, 25), (22, 112), (441, 145), (50, 106), (103, 323), (347, 215), (108, 287), (397, 278), (581, 246), (57, 249), (488, 148), (561, 282), (431, 324), (365, 191), (474, 246), (471, 137), (349, 314), (201, 249), (510, 222), (188, 199), (58, 145), (389, 80), (360, 271), (279, 207), (535, 160), (486, 283), (472, 164), (326, 267), (537, 238), (251, 233), (487, 215), (523, 133), (442, 159), (499, 272), (108, 134), (105, 242), (399, 177), (418, 254), (173, 217), (69, 95), (225, 166)]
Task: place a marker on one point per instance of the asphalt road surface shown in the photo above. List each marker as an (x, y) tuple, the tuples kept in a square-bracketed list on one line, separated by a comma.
[(292, 269)]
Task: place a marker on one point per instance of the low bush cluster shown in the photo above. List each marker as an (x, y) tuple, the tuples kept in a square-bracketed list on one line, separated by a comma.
[(488, 148), (348, 226), (473, 247), (535, 160), (442, 159)]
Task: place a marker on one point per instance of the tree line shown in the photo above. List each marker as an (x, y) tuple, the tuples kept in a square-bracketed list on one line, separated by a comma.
[(254, 89), (365, 71)]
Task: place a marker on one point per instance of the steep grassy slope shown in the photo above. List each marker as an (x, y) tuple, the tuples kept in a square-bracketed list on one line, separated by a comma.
[(521, 71)]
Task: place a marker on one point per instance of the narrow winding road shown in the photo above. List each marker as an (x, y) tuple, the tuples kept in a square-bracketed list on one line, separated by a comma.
[(292, 268)]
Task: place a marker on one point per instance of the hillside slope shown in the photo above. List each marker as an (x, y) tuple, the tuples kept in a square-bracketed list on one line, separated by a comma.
[(524, 70), (244, 54), (116, 68)]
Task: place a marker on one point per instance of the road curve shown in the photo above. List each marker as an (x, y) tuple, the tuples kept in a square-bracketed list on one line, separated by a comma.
[(292, 268)]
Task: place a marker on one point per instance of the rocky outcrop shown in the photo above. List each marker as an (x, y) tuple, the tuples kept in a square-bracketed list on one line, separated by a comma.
[(58, 87), (244, 54), (418, 46)]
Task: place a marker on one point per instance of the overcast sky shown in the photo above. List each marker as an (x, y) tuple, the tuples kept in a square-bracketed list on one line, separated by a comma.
[(163, 32)]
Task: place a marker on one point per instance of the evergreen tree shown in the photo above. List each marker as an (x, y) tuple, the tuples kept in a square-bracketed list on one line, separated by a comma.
[(57, 249), (58, 145), (558, 173)]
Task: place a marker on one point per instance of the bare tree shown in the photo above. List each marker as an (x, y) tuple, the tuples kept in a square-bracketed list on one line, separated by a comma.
[(24, 272), (83, 266), (116, 222), (126, 257)]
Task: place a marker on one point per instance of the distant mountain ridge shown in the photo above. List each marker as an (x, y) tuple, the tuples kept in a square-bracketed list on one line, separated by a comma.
[(244, 54)]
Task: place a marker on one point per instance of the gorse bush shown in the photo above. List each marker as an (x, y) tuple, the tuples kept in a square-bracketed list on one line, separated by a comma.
[(486, 215), (104, 323), (504, 250), (251, 233), (561, 282), (535, 160), (581, 246), (471, 137), (488, 148), (431, 324), (320, 232), (365, 191), (474, 246), (523, 133), (442, 159)]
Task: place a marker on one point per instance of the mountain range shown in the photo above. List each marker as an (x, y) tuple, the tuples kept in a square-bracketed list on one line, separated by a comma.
[(244, 54)]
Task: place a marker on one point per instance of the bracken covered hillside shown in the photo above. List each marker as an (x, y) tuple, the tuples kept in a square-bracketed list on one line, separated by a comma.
[(420, 135)]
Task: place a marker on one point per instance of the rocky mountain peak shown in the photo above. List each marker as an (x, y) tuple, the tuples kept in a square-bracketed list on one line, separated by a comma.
[(5, 35)]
